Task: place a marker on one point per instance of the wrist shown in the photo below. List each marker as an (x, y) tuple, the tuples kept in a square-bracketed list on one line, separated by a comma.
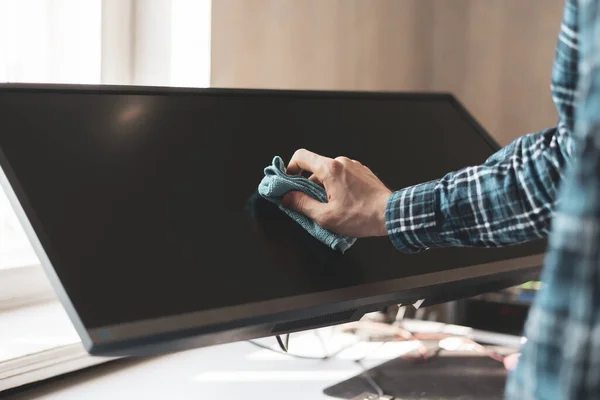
[(381, 213)]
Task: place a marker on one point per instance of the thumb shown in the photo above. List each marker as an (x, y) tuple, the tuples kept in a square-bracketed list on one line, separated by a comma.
[(302, 203)]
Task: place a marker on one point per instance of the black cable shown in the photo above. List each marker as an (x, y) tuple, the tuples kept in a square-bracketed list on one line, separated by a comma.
[(365, 371), (326, 357), (369, 378), (262, 346)]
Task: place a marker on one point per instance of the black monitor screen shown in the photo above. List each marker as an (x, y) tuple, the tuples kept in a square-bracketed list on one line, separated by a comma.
[(148, 206)]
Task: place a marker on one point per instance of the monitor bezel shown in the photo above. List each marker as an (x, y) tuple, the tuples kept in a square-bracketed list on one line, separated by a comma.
[(249, 321)]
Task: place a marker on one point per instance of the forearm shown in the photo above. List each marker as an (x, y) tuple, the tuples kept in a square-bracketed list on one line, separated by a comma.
[(507, 200)]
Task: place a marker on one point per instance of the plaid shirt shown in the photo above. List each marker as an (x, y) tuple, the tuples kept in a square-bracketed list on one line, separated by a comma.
[(512, 197)]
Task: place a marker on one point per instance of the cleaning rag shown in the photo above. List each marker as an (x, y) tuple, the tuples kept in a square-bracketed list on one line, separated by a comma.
[(277, 183)]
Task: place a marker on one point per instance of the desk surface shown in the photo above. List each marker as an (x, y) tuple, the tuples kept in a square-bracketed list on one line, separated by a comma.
[(228, 372), (235, 371)]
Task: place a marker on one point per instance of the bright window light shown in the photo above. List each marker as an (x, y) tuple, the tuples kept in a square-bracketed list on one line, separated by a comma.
[(190, 43), (52, 41)]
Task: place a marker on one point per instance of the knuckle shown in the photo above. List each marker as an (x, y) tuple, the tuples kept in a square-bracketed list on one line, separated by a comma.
[(301, 205), (334, 167), (298, 153)]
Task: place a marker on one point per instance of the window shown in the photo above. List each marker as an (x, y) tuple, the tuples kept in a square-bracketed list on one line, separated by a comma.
[(53, 41), (139, 42)]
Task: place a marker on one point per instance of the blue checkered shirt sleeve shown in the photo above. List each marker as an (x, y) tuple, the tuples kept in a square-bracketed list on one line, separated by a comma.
[(507, 200), (511, 197)]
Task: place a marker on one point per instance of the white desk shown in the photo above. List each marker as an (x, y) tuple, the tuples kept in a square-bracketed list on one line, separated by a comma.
[(228, 372), (241, 370)]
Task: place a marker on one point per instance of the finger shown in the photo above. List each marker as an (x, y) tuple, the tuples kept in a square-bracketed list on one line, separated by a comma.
[(308, 161), (303, 203), (314, 179)]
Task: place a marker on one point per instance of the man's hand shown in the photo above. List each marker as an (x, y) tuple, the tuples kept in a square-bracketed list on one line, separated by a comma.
[(357, 198)]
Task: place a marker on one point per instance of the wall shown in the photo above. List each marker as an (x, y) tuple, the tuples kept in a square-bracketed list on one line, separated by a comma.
[(494, 55)]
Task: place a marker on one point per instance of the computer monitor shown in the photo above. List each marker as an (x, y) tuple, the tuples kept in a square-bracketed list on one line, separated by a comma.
[(142, 206)]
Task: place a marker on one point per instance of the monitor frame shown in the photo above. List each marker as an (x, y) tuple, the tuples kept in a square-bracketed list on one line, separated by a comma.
[(284, 315)]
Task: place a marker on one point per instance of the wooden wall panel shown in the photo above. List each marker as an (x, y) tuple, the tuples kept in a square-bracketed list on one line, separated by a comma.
[(495, 55), (321, 44)]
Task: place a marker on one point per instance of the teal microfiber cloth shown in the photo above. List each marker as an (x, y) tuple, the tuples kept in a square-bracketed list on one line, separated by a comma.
[(277, 183)]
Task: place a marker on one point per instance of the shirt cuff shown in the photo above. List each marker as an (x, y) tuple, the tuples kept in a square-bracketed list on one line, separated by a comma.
[(411, 218)]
